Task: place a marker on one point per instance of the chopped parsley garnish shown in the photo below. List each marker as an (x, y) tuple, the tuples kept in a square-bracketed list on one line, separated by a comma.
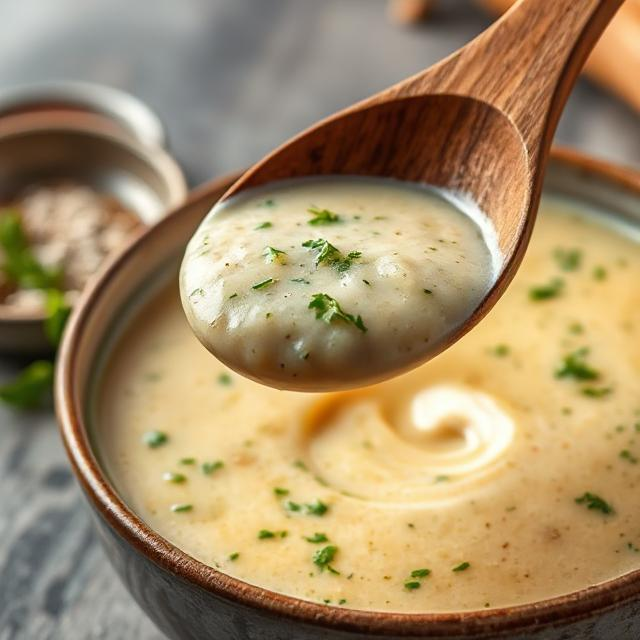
[(428, 291), (225, 379), (211, 467), (232, 296), (501, 350), (181, 508), (275, 255), (547, 291), (300, 280), (323, 557), (155, 439), (265, 534), (625, 454), (279, 491), (317, 538), (411, 585), (595, 502), (330, 255), (366, 282), (187, 461), (234, 556), (299, 464), (420, 573), (316, 508), (263, 225), (599, 273), (31, 388), (463, 566), (574, 366), (568, 259), (441, 479), (576, 328), (596, 392), (263, 283), (322, 216), (268, 203), (172, 476), (289, 505), (328, 308)]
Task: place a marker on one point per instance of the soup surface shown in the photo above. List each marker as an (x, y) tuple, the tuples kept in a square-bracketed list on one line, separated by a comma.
[(504, 471), (299, 285)]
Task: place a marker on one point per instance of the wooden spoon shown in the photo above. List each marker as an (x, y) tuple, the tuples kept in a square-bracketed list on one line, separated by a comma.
[(479, 122)]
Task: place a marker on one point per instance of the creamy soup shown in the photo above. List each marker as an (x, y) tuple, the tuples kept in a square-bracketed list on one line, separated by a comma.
[(504, 471), (321, 284)]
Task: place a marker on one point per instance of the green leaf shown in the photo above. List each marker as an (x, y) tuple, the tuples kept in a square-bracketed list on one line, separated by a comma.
[(547, 291), (57, 311), (574, 366), (463, 566), (322, 216), (327, 309), (595, 502), (31, 388), (20, 265), (322, 558)]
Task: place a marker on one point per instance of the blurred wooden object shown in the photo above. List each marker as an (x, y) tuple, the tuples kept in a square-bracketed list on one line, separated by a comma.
[(408, 11), (614, 63)]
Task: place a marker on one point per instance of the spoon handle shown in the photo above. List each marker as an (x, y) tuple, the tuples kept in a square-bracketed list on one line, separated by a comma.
[(525, 64)]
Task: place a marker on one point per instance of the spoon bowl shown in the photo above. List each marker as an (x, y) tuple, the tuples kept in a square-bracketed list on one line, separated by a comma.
[(478, 124)]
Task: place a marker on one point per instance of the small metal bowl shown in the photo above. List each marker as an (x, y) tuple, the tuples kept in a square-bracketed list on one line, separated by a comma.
[(44, 146)]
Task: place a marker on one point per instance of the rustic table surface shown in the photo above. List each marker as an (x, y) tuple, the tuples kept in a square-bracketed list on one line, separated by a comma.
[(231, 79)]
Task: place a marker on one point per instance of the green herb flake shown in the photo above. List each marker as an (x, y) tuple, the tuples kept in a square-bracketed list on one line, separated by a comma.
[(547, 291), (625, 454), (463, 566), (155, 439), (232, 296), (501, 350), (299, 464), (576, 328), (289, 505), (317, 538), (279, 491), (327, 308), (181, 508), (263, 283), (263, 225), (366, 282), (175, 478), (599, 273), (300, 280), (330, 255), (596, 392), (595, 503), (234, 556), (208, 468), (574, 366), (316, 508), (225, 380), (428, 292), (31, 388), (411, 585), (323, 557), (187, 461), (420, 573), (322, 216), (265, 534), (268, 204), (272, 254), (568, 259)]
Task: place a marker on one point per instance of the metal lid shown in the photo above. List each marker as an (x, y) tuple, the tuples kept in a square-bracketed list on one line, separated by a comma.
[(131, 115)]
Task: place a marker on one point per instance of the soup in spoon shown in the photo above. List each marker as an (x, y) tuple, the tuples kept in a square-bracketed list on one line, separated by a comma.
[(328, 283)]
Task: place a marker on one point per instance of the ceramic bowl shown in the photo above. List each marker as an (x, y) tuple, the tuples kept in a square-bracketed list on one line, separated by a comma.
[(91, 149), (190, 601)]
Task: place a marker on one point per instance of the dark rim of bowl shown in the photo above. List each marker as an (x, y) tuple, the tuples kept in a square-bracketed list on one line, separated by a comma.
[(70, 411), (96, 126)]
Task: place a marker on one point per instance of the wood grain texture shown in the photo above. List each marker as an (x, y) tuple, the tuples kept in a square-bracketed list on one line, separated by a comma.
[(271, 67)]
